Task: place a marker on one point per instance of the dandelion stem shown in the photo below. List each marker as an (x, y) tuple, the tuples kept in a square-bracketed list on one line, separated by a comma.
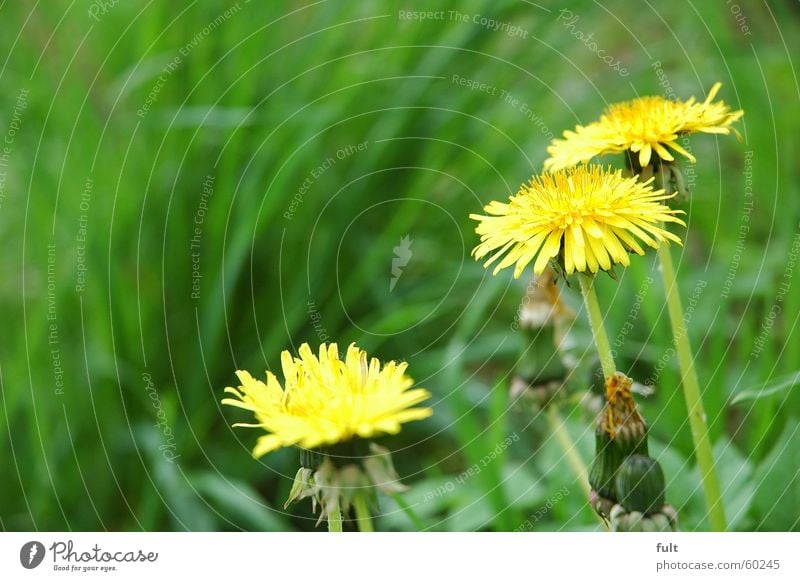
[(692, 393), (363, 517), (596, 323), (335, 520), (406, 508)]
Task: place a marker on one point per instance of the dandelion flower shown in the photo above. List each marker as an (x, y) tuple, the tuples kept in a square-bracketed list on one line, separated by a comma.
[(590, 216), (643, 126), (326, 400)]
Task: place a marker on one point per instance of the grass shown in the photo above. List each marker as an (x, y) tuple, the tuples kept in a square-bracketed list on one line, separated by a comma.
[(260, 103)]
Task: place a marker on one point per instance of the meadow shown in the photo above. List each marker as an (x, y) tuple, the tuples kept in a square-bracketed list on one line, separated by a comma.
[(187, 189)]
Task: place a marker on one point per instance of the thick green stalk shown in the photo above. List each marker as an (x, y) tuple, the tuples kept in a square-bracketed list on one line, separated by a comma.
[(335, 521), (596, 323), (363, 516), (692, 394), (599, 334)]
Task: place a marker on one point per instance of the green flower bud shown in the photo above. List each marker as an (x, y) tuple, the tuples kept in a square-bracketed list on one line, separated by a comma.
[(607, 460), (640, 485), (621, 418)]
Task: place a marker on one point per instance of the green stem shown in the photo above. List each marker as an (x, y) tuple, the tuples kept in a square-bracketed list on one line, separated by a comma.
[(406, 508), (596, 323), (692, 394), (363, 516), (335, 521)]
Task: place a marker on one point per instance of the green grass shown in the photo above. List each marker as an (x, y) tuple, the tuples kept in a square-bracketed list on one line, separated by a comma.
[(260, 102)]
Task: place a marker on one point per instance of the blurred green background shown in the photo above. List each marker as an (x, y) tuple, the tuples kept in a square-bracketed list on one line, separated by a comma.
[(190, 188)]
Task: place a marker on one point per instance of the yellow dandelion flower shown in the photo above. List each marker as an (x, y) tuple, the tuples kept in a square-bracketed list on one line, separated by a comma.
[(644, 125), (590, 216), (327, 400)]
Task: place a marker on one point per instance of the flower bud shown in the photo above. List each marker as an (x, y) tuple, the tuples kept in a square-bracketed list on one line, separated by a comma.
[(621, 418), (607, 460), (640, 485)]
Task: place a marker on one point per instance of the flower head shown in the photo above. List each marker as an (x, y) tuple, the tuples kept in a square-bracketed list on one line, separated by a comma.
[(326, 400), (590, 215), (644, 125)]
